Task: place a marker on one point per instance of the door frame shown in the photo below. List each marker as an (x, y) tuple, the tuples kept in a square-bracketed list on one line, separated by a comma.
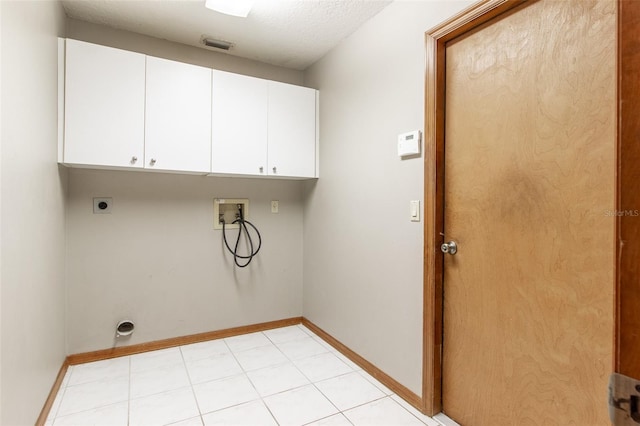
[(627, 197), (627, 270), (436, 40)]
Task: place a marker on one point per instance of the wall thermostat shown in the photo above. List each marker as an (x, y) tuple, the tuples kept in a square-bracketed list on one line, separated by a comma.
[(409, 143)]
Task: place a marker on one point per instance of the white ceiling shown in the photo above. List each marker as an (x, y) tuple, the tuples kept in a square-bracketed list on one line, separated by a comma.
[(288, 33)]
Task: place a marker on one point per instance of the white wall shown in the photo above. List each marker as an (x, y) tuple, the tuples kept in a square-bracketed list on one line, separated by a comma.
[(157, 260), (120, 39), (32, 212), (363, 275), (0, 210)]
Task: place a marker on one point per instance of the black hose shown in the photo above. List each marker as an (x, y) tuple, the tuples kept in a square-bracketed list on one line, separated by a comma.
[(242, 225)]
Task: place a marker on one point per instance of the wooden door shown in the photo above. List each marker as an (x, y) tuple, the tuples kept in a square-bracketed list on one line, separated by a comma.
[(529, 194), (239, 142), (178, 116), (104, 106)]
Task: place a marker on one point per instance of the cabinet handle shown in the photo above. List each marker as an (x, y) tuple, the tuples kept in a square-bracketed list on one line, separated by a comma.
[(134, 159), (261, 169), (274, 169), (152, 162)]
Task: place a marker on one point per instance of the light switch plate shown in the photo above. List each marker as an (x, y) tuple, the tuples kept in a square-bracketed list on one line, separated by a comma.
[(414, 210)]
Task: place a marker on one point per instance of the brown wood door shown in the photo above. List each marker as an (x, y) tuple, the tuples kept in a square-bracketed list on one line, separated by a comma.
[(529, 193)]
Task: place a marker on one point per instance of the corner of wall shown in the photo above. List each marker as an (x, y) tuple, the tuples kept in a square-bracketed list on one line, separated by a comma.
[(32, 239), (1, 139), (362, 262)]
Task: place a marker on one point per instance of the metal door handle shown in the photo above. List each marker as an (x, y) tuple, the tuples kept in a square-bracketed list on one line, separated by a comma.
[(449, 248)]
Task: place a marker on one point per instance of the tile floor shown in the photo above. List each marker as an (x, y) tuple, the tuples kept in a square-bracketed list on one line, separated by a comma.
[(285, 376)]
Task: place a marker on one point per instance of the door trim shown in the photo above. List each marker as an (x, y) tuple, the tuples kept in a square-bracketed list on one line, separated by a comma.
[(627, 291), (436, 40)]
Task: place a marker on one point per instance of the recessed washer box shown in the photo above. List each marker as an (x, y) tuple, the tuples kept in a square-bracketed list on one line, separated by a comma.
[(227, 208)]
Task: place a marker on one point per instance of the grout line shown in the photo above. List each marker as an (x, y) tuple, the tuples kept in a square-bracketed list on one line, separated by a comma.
[(361, 405), (312, 382), (290, 361), (375, 382), (75, 413), (326, 417), (261, 398), (64, 392), (129, 395), (405, 409), (193, 391), (342, 412), (305, 330), (244, 372), (61, 393), (327, 398), (269, 410)]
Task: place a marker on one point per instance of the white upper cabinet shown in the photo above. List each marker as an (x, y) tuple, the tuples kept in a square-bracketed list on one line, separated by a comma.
[(239, 124), (262, 127), (104, 106), (178, 116), (122, 109), (292, 130)]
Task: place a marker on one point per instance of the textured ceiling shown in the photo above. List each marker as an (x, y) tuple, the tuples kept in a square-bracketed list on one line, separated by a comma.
[(289, 33)]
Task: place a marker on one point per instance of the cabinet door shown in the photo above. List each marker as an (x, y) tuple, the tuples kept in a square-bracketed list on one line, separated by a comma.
[(292, 130), (239, 140), (178, 116), (104, 106)]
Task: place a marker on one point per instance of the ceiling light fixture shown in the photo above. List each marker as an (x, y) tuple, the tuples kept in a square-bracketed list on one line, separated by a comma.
[(230, 7)]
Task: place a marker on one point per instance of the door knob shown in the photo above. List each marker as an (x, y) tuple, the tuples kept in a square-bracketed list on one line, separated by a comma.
[(451, 248)]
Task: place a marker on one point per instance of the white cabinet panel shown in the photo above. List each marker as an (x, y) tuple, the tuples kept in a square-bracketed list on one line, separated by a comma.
[(239, 139), (104, 106), (178, 116), (125, 109), (292, 130)]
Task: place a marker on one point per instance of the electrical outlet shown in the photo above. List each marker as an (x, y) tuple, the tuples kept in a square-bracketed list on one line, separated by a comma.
[(275, 205), (102, 205)]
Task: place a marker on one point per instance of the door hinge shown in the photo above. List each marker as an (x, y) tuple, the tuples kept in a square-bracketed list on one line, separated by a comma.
[(624, 400)]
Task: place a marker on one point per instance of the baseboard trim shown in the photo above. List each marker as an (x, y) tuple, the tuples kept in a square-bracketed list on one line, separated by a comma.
[(52, 395), (177, 341), (103, 354), (398, 388), (81, 358)]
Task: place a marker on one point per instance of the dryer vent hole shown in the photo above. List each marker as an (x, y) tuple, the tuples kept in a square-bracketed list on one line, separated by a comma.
[(124, 328)]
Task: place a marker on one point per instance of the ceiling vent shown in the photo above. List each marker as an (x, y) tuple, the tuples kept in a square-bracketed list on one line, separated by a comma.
[(216, 44)]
